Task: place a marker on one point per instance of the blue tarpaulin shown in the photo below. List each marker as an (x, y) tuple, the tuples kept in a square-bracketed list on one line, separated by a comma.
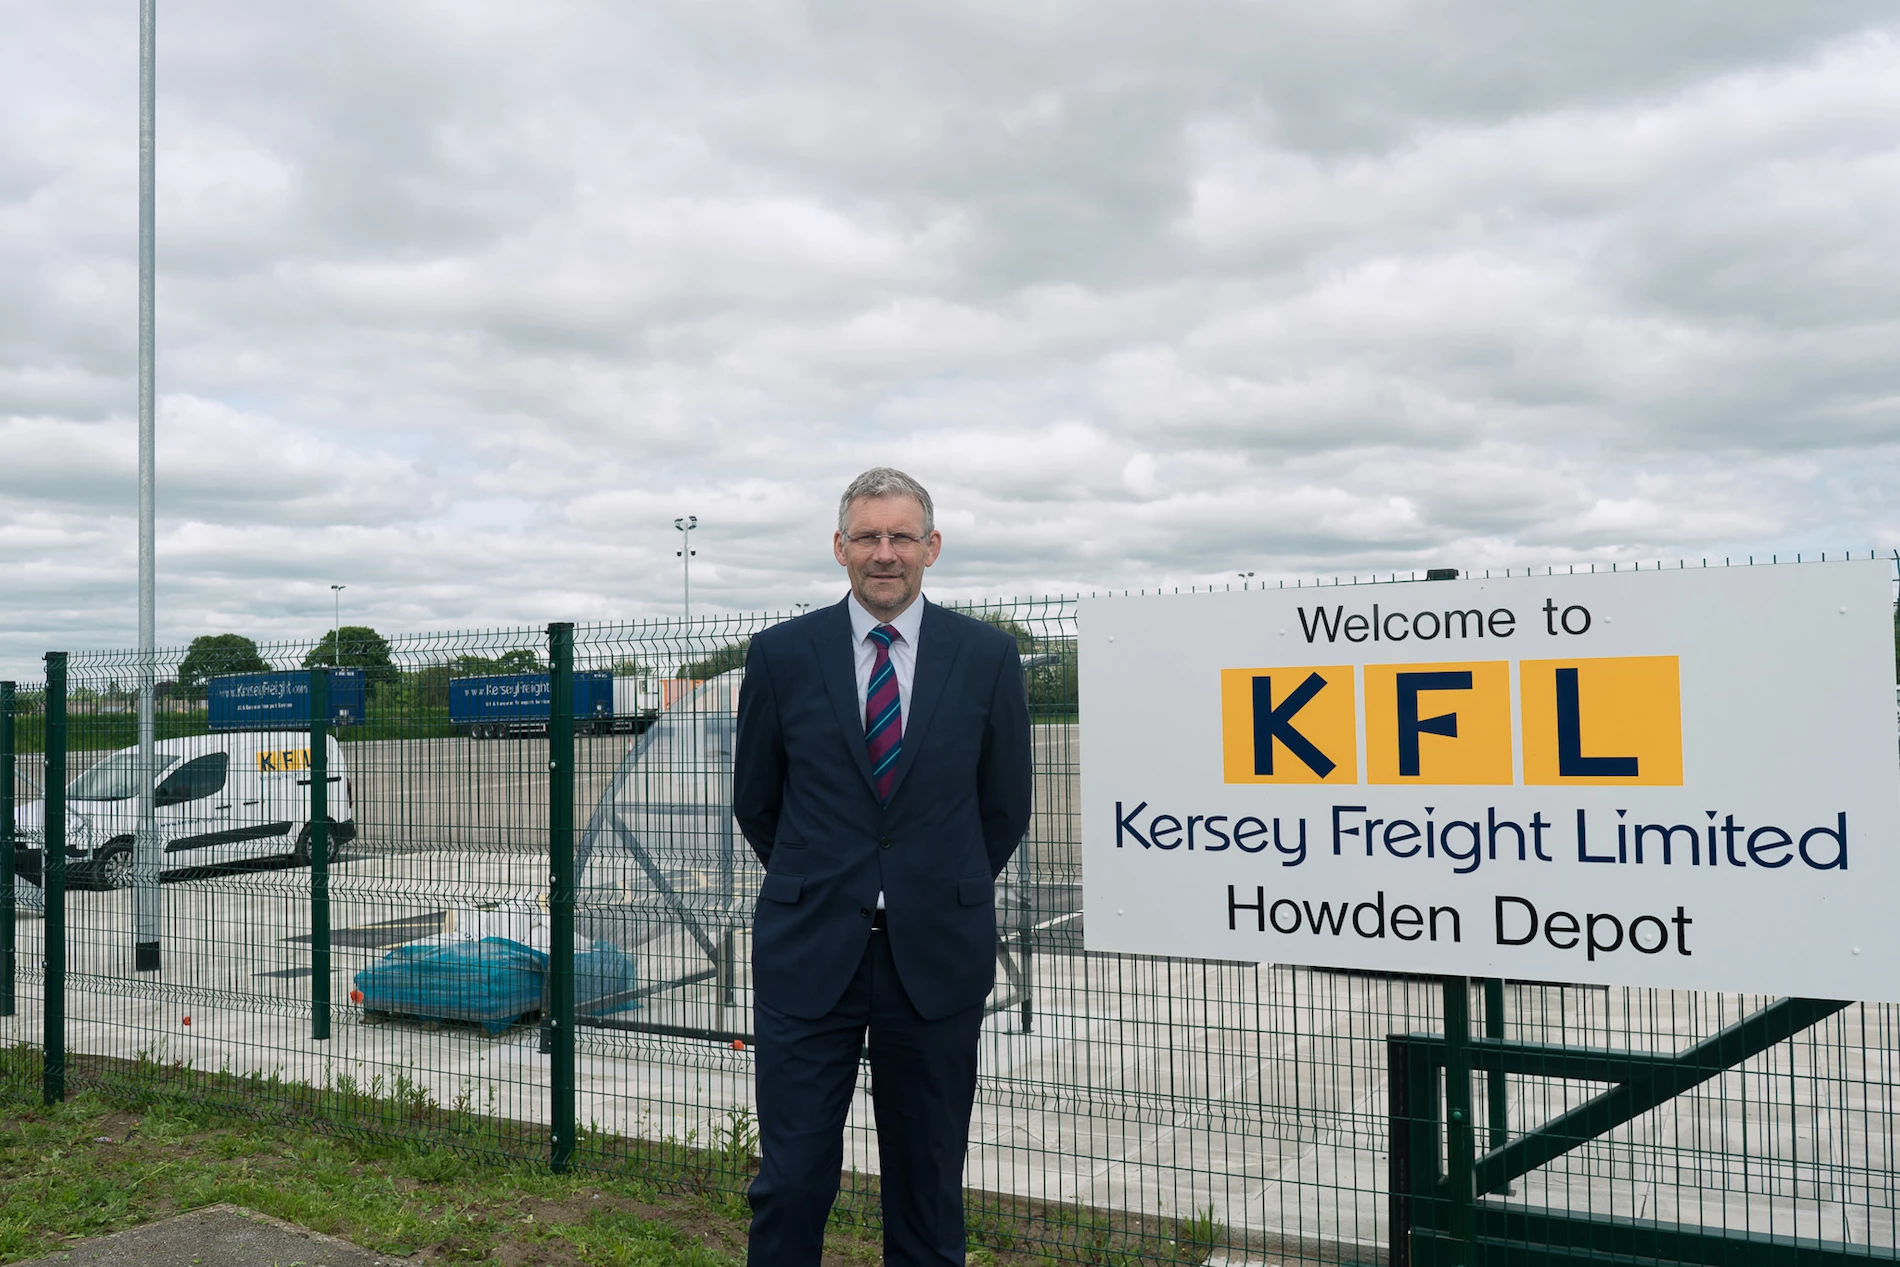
[(492, 982)]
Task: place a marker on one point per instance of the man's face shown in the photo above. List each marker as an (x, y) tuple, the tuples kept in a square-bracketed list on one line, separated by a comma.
[(885, 577)]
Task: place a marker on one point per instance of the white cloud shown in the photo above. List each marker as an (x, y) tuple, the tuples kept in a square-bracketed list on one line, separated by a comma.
[(461, 305)]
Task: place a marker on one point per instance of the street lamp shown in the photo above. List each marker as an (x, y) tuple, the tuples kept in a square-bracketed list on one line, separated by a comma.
[(336, 625), (686, 524), (1246, 578)]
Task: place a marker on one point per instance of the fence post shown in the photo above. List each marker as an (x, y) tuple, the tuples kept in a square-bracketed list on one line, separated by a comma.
[(560, 993), (1399, 1131), (1026, 932), (1494, 1081), (1458, 1128), (319, 855), (7, 895), (53, 880)]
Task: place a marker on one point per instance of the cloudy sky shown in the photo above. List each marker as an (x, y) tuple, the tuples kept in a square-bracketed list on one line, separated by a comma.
[(460, 304)]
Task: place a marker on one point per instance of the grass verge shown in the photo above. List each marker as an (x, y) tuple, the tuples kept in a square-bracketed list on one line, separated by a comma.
[(389, 1169), (92, 1166)]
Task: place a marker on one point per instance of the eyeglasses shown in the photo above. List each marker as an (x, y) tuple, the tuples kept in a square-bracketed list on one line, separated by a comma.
[(902, 542)]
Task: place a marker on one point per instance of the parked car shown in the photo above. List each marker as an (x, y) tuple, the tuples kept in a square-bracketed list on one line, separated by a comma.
[(218, 798)]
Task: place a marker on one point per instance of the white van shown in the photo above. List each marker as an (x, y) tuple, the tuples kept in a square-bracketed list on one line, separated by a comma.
[(219, 799)]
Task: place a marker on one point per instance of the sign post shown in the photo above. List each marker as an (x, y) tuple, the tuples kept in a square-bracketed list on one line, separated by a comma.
[(1680, 779)]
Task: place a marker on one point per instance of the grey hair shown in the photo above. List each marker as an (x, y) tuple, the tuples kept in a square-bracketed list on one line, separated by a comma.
[(886, 481)]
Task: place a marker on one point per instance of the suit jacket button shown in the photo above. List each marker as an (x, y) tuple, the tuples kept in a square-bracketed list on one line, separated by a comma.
[(884, 843), (865, 911)]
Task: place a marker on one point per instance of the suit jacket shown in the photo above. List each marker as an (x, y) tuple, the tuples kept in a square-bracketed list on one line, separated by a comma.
[(803, 796)]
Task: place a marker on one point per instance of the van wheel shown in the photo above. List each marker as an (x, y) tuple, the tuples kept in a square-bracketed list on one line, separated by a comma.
[(300, 852), (113, 869)]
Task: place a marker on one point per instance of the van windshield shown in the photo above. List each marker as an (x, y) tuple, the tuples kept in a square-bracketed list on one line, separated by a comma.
[(117, 778)]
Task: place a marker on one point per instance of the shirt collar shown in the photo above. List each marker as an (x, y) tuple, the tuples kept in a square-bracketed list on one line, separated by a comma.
[(907, 625)]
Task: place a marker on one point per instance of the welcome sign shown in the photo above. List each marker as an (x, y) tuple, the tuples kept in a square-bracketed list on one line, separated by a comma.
[(1666, 778)]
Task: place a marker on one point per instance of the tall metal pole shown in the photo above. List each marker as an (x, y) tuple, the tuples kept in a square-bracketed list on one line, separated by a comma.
[(146, 894), (336, 625), (686, 524)]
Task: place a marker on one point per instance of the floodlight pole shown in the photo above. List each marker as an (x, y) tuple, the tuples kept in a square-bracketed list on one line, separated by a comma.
[(146, 895), (686, 524), (336, 625)]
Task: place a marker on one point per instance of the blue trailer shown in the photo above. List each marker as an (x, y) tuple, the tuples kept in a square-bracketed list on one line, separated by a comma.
[(519, 703), (277, 701)]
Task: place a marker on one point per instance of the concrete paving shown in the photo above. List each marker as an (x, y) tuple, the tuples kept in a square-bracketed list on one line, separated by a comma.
[(216, 1236)]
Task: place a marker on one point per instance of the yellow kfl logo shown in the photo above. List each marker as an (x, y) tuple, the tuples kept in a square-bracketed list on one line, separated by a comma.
[(282, 760), (1615, 721)]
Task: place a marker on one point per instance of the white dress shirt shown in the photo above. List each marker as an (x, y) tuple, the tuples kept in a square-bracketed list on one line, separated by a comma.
[(903, 652), (903, 658)]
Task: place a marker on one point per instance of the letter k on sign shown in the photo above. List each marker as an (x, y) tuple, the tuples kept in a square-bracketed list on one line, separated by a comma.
[(1289, 725), (1270, 723)]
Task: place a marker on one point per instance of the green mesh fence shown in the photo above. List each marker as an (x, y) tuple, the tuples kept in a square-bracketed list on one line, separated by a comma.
[(535, 911)]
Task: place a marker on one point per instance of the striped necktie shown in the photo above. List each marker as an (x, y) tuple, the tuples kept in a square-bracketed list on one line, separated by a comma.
[(883, 715)]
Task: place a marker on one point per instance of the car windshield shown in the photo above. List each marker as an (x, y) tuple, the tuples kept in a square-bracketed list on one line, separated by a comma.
[(117, 778)]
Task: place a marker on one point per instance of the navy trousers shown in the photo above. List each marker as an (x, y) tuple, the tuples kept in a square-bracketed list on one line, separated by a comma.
[(923, 1082)]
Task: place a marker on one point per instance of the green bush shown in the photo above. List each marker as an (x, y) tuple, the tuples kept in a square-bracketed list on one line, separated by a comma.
[(214, 655)]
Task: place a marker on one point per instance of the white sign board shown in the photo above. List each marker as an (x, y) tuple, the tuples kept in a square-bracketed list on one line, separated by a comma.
[(1663, 778)]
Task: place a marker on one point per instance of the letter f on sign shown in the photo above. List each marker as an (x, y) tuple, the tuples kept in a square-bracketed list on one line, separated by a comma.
[(1270, 723), (1411, 726)]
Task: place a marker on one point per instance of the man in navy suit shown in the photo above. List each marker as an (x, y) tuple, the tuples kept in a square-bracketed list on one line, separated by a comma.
[(882, 774)]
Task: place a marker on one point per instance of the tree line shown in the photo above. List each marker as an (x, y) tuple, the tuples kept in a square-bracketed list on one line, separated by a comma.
[(351, 647), (1050, 663)]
